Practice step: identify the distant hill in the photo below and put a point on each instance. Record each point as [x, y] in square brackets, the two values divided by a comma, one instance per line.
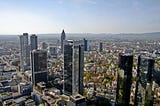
[153, 35]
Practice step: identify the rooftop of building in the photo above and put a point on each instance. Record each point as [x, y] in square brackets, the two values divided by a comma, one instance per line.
[19, 100]
[77, 97]
[146, 57]
[126, 54]
[49, 100]
[38, 51]
[41, 84]
[29, 101]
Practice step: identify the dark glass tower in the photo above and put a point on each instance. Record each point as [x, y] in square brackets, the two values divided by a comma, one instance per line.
[33, 42]
[100, 47]
[25, 52]
[143, 95]
[124, 79]
[39, 66]
[85, 44]
[63, 37]
[73, 67]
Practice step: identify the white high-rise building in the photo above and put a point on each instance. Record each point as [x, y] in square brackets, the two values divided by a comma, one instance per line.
[25, 52]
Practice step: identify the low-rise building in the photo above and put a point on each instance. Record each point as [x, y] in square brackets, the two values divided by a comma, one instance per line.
[77, 100]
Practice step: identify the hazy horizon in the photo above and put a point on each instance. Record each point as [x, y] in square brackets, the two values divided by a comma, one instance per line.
[78, 33]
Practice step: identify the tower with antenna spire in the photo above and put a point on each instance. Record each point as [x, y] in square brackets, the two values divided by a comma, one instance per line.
[63, 37]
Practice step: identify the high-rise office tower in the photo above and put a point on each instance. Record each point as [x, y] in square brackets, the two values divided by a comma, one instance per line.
[143, 95]
[100, 47]
[25, 52]
[44, 45]
[53, 51]
[124, 79]
[73, 67]
[33, 42]
[63, 37]
[85, 44]
[39, 66]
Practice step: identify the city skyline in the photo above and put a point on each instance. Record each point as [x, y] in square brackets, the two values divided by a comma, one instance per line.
[79, 16]
[110, 72]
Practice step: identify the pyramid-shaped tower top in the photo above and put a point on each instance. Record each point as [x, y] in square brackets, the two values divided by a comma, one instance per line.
[63, 31]
[63, 35]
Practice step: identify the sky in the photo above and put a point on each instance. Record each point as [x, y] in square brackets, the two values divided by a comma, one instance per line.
[79, 16]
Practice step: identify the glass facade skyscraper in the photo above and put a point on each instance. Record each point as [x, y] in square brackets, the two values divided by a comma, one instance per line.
[85, 44]
[100, 47]
[143, 96]
[124, 79]
[39, 66]
[63, 37]
[73, 67]
[33, 42]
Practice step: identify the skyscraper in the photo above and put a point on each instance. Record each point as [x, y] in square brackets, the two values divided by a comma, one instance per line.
[85, 44]
[73, 67]
[44, 45]
[143, 95]
[25, 52]
[100, 47]
[39, 66]
[33, 42]
[63, 37]
[53, 51]
[124, 79]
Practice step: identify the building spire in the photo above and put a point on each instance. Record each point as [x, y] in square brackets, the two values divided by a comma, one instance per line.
[63, 37]
[63, 31]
